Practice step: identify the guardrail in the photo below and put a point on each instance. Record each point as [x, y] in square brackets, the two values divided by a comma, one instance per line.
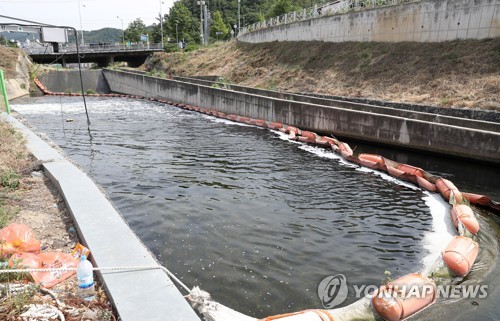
[329, 9]
[94, 48]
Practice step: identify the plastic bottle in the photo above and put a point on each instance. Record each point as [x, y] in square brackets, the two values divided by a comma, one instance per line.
[85, 277]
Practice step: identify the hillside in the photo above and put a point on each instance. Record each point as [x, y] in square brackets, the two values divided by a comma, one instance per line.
[458, 73]
[8, 60]
[104, 35]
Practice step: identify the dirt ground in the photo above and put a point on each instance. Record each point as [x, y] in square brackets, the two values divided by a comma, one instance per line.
[30, 198]
[448, 74]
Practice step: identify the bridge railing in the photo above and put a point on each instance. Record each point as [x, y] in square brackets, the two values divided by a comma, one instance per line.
[94, 48]
[328, 9]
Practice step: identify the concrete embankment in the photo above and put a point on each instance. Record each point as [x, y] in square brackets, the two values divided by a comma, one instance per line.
[378, 106]
[69, 81]
[338, 118]
[136, 295]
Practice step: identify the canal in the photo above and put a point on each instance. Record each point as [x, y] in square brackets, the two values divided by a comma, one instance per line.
[257, 220]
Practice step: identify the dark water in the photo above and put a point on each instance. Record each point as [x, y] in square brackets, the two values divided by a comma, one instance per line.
[255, 220]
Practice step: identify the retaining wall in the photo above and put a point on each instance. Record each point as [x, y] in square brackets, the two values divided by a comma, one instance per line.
[415, 134]
[485, 120]
[425, 21]
[69, 81]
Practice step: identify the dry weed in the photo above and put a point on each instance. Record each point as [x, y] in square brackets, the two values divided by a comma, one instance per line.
[458, 73]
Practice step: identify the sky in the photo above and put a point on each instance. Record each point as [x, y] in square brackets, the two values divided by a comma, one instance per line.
[95, 14]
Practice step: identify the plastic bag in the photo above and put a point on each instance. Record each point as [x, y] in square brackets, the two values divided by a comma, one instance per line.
[25, 261]
[54, 260]
[17, 238]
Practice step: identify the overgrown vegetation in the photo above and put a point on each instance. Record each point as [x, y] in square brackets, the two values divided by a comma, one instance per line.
[17, 302]
[457, 73]
[15, 161]
[8, 60]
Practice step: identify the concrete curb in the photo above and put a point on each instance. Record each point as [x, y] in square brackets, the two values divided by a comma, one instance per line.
[136, 295]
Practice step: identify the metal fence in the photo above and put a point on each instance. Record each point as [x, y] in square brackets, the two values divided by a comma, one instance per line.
[329, 9]
[93, 48]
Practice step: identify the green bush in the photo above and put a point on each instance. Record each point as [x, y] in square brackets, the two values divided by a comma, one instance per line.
[156, 73]
[90, 92]
[192, 47]
[9, 179]
[172, 47]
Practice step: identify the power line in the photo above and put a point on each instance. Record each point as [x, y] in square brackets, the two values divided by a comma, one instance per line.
[38, 24]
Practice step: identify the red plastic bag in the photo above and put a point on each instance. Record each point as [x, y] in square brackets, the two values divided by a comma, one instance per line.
[54, 260]
[17, 238]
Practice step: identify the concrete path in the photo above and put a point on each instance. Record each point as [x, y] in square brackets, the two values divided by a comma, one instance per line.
[137, 295]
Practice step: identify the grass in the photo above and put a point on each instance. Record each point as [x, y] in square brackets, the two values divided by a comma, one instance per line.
[7, 213]
[17, 303]
[13, 277]
[462, 73]
[9, 179]
[15, 161]
[9, 60]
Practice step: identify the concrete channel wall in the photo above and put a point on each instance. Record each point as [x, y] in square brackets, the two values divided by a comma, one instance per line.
[69, 81]
[423, 21]
[469, 143]
[475, 119]
[136, 295]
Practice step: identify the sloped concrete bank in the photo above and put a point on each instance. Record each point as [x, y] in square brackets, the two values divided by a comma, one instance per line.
[473, 119]
[136, 295]
[469, 143]
[19, 85]
[473, 114]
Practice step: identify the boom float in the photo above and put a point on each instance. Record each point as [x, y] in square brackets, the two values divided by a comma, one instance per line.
[392, 301]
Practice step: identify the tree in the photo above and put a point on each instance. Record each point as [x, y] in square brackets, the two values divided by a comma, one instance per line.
[218, 25]
[181, 23]
[134, 30]
[281, 7]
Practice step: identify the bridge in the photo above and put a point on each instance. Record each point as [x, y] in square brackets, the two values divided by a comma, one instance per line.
[101, 54]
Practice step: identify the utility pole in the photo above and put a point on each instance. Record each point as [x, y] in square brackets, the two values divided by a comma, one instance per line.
[123, 31]
[80, 14]
[201, 3]
[161, 25]
[205, 13]
[239, 17]
[176, 34]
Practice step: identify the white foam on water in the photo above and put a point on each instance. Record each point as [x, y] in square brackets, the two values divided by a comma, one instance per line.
[442, 226]
[50, 108]
[443, 229]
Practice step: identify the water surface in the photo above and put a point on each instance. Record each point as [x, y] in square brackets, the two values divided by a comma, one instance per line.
[255, 220]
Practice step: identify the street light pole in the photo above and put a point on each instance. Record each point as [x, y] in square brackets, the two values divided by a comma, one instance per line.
[80, 14]
[123, 31]
[239, 18]
[176, 33]
[161, 25]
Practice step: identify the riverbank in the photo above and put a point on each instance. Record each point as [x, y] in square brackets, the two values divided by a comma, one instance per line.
[462, 74]
[28, 197]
